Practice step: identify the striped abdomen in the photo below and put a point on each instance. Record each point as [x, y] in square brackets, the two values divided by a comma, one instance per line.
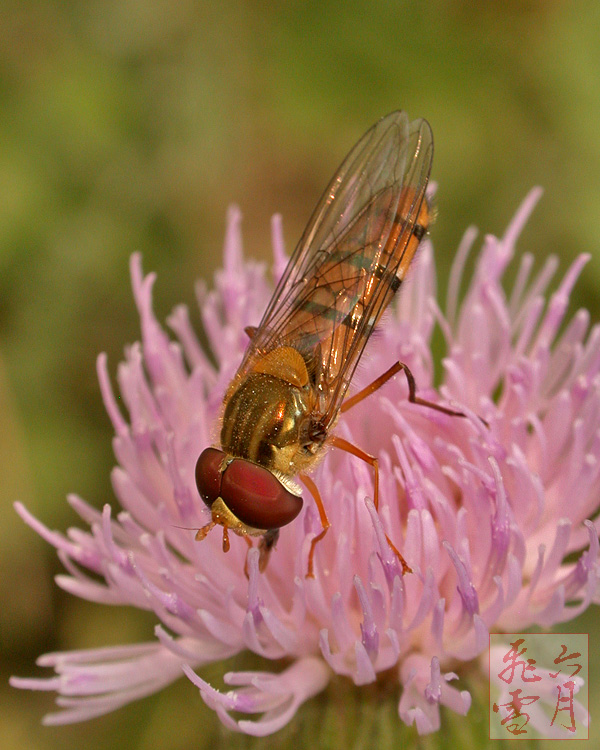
[353, 280]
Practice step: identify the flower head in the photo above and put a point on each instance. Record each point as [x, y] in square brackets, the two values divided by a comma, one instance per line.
[487, 510]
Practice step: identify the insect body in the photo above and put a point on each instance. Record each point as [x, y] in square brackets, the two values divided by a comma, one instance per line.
[290, 387]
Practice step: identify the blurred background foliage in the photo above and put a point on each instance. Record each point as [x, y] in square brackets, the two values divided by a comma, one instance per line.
[131, 125]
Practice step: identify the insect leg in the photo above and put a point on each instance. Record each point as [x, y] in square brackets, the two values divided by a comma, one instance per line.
[412, 391]
[312, 488]
[266, 544]
[345, 445]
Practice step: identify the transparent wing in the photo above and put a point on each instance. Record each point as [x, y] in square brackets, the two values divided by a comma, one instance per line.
[348, 263]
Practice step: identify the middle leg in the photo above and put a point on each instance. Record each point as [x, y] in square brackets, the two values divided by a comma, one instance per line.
[349, 447]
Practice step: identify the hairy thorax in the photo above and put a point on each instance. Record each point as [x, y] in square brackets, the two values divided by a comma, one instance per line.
[268, 415]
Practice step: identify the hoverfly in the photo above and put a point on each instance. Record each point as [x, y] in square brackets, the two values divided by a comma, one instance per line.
[289, 389]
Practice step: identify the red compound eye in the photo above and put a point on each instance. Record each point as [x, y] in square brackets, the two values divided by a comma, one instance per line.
[257, 497]
[208, 474]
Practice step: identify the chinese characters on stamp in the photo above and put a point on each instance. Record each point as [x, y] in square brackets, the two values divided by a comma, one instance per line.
[539, 686]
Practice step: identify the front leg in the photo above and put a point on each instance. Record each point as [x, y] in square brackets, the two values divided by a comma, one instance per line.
[266, 544]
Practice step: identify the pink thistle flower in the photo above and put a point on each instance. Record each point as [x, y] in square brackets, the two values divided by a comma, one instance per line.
[488, 517]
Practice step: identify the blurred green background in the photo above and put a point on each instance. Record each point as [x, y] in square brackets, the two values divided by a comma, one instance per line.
[132, 125]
